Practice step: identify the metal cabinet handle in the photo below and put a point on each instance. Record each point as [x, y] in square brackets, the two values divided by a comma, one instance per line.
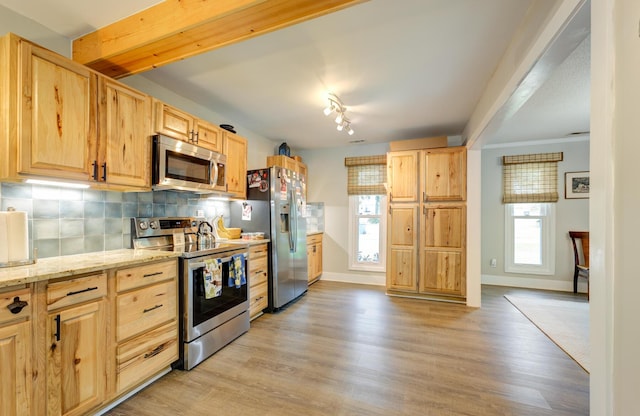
[17, 305]
[89, 289]
[151, 309]
[57, 334]
[95, 170]
[104, 171]
[152, 274]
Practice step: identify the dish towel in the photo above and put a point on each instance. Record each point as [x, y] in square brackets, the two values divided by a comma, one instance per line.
[236, 271]
[212, 279]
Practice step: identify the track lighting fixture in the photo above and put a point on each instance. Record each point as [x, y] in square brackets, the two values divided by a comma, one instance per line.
[335, 105]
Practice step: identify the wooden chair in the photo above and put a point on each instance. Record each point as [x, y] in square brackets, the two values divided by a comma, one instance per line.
[580, 241]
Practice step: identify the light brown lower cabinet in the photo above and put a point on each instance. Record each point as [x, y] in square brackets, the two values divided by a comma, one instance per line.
[75, 359]
[15, 354]
[79, 343]
[426, 250]
[314, 257]
[146, 322]
[258, 279]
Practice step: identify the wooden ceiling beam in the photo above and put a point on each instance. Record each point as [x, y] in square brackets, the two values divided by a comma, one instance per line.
[178, 29]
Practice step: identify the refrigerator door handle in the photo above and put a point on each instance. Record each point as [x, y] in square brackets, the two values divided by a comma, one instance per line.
[292, 215]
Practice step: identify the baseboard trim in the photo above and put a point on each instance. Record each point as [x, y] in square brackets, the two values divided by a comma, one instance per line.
[377, 279]
[533, 283]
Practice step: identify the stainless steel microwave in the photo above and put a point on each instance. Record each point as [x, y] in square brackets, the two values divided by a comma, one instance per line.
[184, 166]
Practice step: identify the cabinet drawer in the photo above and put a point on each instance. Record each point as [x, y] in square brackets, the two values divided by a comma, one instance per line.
[74, 291]
[258, 271]
[314, 239]
[143, 309]
[8, 298]
[259, 299]
[258, 251]
[147, 274]
[142, 357]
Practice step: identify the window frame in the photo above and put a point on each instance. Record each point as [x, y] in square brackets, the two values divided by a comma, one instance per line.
[354, 217]
[548, 236]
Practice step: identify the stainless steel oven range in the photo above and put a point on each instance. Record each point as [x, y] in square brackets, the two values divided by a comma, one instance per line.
[214, 298]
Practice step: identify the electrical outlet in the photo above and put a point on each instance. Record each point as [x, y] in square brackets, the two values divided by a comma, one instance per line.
[200, 213]
[494, 262]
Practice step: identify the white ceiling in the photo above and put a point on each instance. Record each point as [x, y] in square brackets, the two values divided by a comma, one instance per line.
[404, 69]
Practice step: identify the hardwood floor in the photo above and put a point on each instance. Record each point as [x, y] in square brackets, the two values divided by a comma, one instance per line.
[346, 349]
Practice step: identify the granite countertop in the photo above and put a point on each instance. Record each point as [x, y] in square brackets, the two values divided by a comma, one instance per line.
[57, 267]
[315, 232]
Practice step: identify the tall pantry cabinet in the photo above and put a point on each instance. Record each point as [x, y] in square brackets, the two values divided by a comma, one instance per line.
[426, 238]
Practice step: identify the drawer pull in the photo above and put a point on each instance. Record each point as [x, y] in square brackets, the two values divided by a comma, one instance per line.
[89, 289]
[17, 305]
[155, 351]
[152, 274]
[151, 309]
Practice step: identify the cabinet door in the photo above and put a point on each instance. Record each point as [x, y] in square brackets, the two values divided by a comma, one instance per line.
[76, 359]
[318, 260]
[124, 135]
[402, 168]
[310, 261]
[173, 122]
[57, 116]
[235, 148]
[444, 174]
[15, 369]
[402, 247]
[442, 260]
[208, 136]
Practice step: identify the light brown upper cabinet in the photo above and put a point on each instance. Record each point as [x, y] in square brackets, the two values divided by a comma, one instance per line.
[180, 125]
[443, 174]
[124, 134]
[68, 122]
[402, 178]
[235, 148]
[56, 125]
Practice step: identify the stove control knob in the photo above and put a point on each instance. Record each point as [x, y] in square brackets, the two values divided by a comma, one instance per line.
[154, 225]
[143, 225]
[194, 223]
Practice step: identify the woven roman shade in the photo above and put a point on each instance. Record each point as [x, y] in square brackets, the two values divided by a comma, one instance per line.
[366, 175]
[530, 178]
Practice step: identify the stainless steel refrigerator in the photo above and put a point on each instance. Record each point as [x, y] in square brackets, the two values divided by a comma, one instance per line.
[276, 206]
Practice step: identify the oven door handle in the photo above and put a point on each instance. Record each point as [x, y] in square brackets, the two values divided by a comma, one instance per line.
[200, 264]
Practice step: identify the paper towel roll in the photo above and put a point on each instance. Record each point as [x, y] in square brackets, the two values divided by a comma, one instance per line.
[4, 241]
[17, 236]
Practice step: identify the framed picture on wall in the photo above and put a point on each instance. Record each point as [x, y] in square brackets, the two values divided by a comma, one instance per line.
[576, 185]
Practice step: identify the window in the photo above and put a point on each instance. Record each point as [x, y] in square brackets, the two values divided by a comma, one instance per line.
[366, 177]
[530, 238]
[367, 232]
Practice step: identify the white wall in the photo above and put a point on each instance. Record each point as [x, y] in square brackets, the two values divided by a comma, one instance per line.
[328, 183]
[571, 214]
[614, 220]
[35, 32]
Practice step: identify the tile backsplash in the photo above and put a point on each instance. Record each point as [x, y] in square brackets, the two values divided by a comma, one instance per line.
[66, 221]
